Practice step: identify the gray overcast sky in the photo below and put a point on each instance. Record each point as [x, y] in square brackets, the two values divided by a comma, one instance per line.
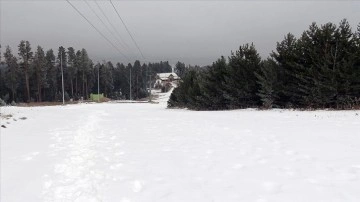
[193, 32]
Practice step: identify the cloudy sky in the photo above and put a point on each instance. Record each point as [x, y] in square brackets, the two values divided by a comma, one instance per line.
[195, 32]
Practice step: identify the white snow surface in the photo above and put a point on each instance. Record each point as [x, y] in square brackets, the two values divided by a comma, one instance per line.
[139, 152]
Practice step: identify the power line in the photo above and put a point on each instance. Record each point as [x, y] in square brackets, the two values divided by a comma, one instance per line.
[98, 30]
[128, 31]
[91, 8]
[112, 25]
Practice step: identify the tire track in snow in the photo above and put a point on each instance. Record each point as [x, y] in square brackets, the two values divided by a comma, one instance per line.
[75, 177]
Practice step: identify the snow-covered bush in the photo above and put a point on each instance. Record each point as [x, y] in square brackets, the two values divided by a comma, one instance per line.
[6, 98]
[2, 102]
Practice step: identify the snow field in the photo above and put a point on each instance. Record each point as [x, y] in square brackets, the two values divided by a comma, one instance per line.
[144, 152]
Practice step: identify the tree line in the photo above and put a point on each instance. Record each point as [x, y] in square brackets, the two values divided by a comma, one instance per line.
[30, 76]
[320, 69]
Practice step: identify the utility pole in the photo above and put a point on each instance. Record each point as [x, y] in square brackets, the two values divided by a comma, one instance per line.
[98, 84]
[150, 87]
[130, 83]
[62, 79]
[146, 77]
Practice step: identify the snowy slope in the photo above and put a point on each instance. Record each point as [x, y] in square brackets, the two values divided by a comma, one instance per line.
[144, 152]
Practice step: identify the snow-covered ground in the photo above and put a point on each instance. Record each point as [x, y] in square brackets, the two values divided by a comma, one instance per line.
[118, 152]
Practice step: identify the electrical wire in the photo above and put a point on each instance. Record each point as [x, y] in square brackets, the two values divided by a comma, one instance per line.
[97, 30]
[128, 31]
[112, 25]
[91, 8]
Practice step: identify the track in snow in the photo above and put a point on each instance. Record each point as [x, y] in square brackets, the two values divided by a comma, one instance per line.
[144, 152]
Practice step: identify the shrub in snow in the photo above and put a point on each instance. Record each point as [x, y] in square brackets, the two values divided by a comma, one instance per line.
[2, 102]
[66, 96]
[6, 98]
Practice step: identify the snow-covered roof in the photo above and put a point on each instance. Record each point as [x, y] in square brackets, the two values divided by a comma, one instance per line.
[163, 76]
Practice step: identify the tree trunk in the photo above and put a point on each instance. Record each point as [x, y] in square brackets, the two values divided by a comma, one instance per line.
[13, 92]
[137, 86]
[44, 94]
[105, 93]
[83, 87]
[27, 87]
[72, 88]
[76, 85]
[86, 85]
[39, 87]
[27, 83]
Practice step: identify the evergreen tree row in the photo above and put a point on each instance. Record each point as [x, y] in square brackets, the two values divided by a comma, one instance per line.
[36, 76]
[320, 69]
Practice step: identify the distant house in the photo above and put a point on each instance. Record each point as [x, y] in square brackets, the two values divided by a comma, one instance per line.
[163, 78]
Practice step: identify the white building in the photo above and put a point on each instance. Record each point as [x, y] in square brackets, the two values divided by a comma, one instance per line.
[164, 78]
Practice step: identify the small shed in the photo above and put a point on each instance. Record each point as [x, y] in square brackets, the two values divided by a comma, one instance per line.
[96, 97]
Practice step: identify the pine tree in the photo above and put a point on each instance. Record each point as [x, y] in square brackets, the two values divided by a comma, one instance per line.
[344, 56]
[78, 75]
[61, 62]
[188, 93]
[290, 70]
[52, 73]
[322, 65]
[91, 78]
[3, 89]
[72, 68]
[85, 66]
[121, 83]
[26, 56]
[130, 79]
[328, 60]
[212, 96]
[269, 85]
[180, 69]
[143, 81]
[11, 73]
[355, 87]
[106, 78]
[136, 74]
[240, 87]
[40, 71]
